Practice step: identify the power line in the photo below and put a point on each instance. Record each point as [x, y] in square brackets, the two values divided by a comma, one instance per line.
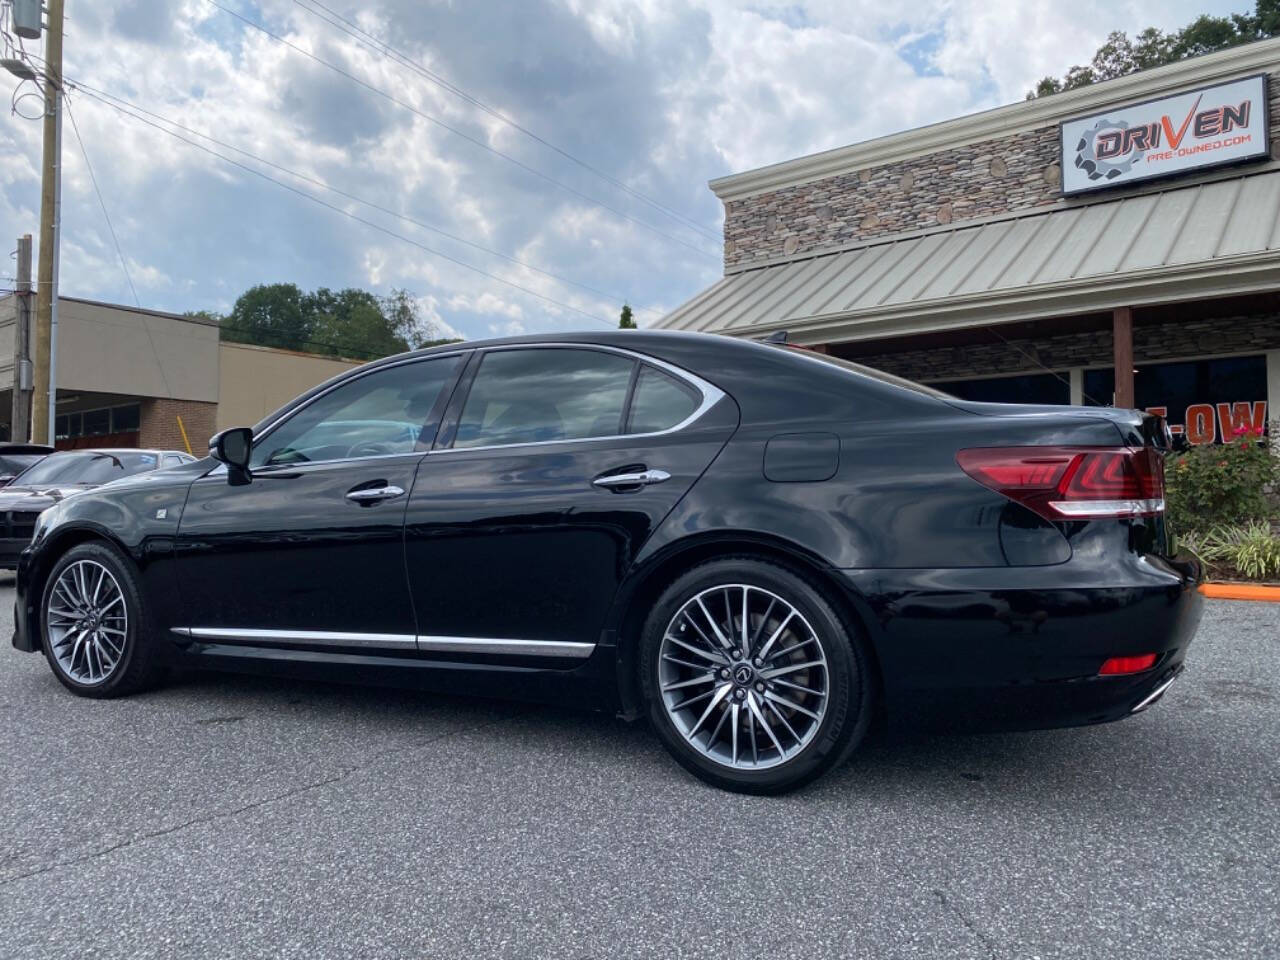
[391, 53]
[164, 378]
[349, 196]
[346, 213]
[102, 203]
[454, 130]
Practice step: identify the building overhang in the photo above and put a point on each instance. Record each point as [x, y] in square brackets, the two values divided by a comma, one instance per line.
[1212, 239]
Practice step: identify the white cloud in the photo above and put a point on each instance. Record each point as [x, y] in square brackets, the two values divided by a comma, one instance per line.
[661, 94]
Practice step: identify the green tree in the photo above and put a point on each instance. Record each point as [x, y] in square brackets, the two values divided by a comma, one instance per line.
[1120, 56]
[347, 323]
[273, 315]
[626, 321]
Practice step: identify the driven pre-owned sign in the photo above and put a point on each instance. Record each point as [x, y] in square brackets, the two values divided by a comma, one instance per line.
[1226, 123]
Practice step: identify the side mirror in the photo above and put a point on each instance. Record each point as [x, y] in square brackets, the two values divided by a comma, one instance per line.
[233, 447]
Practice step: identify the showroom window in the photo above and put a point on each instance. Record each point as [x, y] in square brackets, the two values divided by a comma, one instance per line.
[1204, 400]
[1028, 388]
[98, 423]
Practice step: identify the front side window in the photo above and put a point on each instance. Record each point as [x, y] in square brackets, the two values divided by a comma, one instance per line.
[379, 414]
[544, 395]
[660, 402]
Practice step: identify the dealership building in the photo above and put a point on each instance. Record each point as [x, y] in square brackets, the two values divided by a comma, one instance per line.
[129, 377]
[1119, 243]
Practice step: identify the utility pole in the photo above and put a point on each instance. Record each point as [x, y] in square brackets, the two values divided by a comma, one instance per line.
[45, 385]
[20, 429]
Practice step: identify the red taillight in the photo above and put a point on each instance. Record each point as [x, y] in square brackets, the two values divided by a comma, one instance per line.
[1072, 483]
[1116, 666]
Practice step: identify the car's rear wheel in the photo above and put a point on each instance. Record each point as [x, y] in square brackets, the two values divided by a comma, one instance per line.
[754, 681]
[94, 624]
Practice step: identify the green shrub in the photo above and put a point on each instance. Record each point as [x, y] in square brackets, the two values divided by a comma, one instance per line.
[1249, 550]
[1218, 485]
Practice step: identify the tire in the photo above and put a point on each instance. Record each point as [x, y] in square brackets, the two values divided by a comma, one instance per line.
[807, 679]
[85, 665]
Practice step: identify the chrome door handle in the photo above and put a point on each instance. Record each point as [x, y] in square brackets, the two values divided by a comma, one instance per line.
[641, 479]
[374, 494]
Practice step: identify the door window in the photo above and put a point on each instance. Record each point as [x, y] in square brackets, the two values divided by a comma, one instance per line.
[544, 395]
[379, 414]
[660, 402]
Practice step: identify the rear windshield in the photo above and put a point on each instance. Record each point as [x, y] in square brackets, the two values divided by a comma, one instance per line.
[875, 374]
[89, 466]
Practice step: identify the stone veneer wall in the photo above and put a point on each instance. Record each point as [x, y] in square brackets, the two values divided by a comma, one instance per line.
[1151, 343]
[984, 179]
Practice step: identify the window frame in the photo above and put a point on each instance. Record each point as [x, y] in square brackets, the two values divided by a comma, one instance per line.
[709, 393]
[437, 410]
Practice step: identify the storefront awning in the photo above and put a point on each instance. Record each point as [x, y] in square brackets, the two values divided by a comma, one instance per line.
[1208, 240]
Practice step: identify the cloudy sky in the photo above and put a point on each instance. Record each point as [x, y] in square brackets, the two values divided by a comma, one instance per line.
[633, 104]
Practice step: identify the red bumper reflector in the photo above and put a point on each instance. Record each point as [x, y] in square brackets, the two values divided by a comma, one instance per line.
[1116, 666]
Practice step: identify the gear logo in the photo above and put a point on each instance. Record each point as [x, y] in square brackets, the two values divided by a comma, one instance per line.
[1097, 168]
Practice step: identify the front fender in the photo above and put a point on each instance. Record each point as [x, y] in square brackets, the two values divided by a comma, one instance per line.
[139, 517]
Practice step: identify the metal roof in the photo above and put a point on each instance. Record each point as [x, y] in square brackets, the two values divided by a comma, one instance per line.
[1210, 239]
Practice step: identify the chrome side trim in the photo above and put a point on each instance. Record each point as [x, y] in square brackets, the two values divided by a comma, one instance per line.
[1155, 694]
[390, 641]
[326, 638]
[516, 648]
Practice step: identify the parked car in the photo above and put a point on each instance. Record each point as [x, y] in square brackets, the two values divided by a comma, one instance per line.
[16, 457]
[58, 475]
[757, 547]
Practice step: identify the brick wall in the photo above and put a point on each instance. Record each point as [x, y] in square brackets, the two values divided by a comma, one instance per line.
[1165, 341]
[159, 424]
[984, 179]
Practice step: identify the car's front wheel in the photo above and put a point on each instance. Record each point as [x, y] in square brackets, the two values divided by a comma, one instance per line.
[754, 681]
[94, 624]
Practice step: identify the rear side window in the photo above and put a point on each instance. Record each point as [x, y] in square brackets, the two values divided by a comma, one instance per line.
[660, 402]
[544, 395]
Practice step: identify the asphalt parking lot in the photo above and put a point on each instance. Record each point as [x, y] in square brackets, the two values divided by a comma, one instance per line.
[242, 817]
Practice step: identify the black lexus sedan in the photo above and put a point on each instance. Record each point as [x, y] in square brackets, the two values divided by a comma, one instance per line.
[54, 476]
[758, 547]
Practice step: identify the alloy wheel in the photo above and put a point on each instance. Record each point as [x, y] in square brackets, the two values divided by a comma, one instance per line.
[743, 676]
[87, 622]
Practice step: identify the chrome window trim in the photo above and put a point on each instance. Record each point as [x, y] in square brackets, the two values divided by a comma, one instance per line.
[284, 418]
[710, 393]
[304, 465]
[390, 641]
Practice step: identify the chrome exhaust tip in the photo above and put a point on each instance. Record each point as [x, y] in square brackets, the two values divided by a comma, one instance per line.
[1154, 695]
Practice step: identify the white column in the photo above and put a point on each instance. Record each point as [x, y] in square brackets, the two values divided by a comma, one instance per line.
[1077, 386]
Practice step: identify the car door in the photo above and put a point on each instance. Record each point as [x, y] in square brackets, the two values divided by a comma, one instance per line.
[552, 468]
[310, 551]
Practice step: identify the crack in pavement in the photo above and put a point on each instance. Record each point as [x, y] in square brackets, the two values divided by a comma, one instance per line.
[264, 801]
[946, 903]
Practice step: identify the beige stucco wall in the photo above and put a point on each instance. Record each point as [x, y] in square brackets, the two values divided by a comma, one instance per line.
[253, 380]
[108, 349]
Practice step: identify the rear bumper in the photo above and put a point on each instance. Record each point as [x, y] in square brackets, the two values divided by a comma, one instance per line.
[1020, 648]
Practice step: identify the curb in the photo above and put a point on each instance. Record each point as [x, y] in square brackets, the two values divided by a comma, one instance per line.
[1241, 591]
